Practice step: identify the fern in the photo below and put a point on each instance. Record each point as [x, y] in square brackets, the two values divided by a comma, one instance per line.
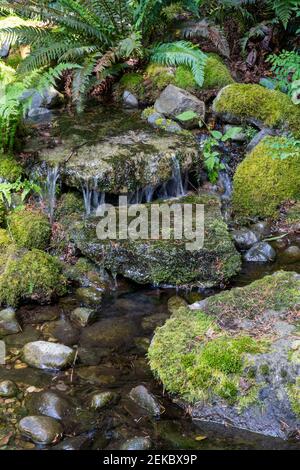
[284, 9]
[204, 29]
[181, 53]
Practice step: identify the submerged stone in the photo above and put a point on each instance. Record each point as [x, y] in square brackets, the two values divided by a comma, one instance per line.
[261, 252]
[224, 365]
[8, 323]
[48, 404]
[145, 400]
[41, 429]
[46, 355]
[136, 443]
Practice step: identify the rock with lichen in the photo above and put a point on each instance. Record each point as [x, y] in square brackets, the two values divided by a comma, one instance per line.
[165, 261]
[234, 358]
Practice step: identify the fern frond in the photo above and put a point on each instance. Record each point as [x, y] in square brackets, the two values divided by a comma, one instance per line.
[204, 29]
[284, 9]
[181, 53]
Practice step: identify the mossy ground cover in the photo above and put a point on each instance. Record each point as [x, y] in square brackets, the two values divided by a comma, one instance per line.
[271, 107]
[29, 228]
[264, 180]
[196, 360]
[10, 169]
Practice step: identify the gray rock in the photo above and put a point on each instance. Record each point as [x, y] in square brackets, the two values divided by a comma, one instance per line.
[261, 252]
[244, 238]
[46, 355]
[174, 101]
[258, 137]
[39, 115]
[262, 228]
[41, 429]
[109, 333]
[136, 443]
[82, 316]
[8, 322]
[129, 100]
[4, 50]
[8, 389]
[48, 404]
[145, 400]
[63, 331]
[158, 121]
[102, 399]
[75, 443]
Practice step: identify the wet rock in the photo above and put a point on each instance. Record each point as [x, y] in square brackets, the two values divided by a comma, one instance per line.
[261, 252]
[109, 333]
[92, 356]
[82, 316]
[8, 389]
[27, 335]
[4, 50]
[98, 375]
[158, 121]
[63, 331]
[145, 400]
[41, 429]
[244, 238]
[152, 321]
[36, 315]
[49, 404]
[292, 253]
[46, 355]
[130, 101]
[39, 115]
[174, 101]
[89, 296]
[75, 443]
[136, 443]
[102, 399]
[142, 343]
[8, 322]
[262, 228]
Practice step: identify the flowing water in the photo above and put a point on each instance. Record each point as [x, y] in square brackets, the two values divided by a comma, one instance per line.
[50, 189]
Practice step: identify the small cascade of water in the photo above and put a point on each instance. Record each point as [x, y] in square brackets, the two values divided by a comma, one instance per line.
[91, 197]
[226, 185]
[52, 178]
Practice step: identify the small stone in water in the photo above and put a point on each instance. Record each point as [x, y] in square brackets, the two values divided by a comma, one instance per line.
[260, 253]
[46, 355]
[82, 316]
[41, 429]
[99, 400]
[145, 400]
[8, 389]
[136, 443]
[8, 322]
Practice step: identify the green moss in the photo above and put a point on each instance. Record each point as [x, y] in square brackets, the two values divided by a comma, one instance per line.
[275, 292]
[271, 107]
[184, 78]
[294, 396]
[196, 360]
[132, 81]
[2, 211]
[69, 203]
[263, 180]
[264, 369]
[160, 76]
[4, 239]
[10, 170]
[216, 74]
[29, 229]
[31, 275]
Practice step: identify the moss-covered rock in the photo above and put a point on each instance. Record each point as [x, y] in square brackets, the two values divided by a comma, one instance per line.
[29, 228]
[4, 239]
[29, 275]
[216, 75]
[10, 169]
[69, 203]
[264, 180]
[258, 105]
[229, 358]
[165, 261]
[2, 212]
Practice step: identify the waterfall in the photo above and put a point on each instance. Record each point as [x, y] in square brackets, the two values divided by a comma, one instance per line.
[52, 178]
[176, 189]
[91, 197]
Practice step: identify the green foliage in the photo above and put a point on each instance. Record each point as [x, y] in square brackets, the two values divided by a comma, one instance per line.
[264, 179]
[207, 30]
[10, 170]
[181, 53]
[271, 107]
[284, 9]
[286, 68]
[29, 229]
[211, 154]
[25, 187]
[28, 275]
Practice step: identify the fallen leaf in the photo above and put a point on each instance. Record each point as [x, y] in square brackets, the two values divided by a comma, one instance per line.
[200, 438]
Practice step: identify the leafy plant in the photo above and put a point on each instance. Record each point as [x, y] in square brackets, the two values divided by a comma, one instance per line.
[211, 153]
[284, 148]
[24, 187]
[286, 68]
[284, 9]
[181, 53]
[206, 29]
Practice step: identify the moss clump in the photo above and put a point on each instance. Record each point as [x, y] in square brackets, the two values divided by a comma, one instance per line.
[263, 180]
[294, 396]
[132, 82]
[184, 78]
[69, 203]
[276, 292]
[196, 360]
[2, 212]
[32, 275]
[29, 229]
[271, 107]
[216, 74]
[160, 76]
[4, 239]
[10, 170]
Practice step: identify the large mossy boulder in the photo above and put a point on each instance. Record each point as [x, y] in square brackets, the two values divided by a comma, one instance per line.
[234, 358]
[112, 151]
[29, 228]
[268, 176]
[165, 261]
[257, 105]
[29, 275]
